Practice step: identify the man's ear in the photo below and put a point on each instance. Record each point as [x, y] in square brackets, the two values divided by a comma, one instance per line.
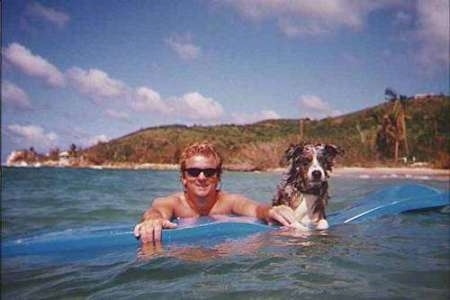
[183, 179]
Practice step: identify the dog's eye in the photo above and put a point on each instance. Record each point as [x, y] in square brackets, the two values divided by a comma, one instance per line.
[325, 160]
[306, 161]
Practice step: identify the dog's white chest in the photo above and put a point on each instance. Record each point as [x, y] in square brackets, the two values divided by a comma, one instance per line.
[304, 215]
[301, 214]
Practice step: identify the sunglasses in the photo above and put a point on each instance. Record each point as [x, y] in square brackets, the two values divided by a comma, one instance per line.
[194, 172]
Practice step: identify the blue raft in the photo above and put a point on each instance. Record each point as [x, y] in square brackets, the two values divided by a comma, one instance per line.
[87, 242]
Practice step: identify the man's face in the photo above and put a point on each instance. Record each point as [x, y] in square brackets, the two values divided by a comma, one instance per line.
[200, 176]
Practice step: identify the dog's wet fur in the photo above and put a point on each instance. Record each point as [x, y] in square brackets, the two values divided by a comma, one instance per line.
[304, 185]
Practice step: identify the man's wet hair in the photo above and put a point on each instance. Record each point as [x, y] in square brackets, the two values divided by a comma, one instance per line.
[204, 148]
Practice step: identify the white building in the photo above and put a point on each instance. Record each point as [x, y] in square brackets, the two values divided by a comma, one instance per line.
[64, 159]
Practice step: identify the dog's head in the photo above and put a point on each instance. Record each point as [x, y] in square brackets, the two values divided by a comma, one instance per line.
[309, 164]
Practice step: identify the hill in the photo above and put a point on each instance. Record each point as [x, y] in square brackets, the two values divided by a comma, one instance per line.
[261, 145]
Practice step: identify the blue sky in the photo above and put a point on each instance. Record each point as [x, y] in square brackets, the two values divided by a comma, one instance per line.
[83, 71]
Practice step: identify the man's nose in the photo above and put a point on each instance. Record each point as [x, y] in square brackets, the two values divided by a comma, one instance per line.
[201, 175]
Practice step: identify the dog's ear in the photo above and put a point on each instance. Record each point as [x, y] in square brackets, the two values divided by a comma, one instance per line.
[331, 151]
[292, 152]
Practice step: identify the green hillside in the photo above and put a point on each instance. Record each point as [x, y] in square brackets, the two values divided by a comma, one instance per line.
[261, 145]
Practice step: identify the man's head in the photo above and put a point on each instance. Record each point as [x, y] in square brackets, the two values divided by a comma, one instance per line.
[201, 167]
[201, 149]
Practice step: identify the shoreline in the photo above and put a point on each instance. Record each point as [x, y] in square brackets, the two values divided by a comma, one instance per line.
[418, 173]
[341, 170]
[360, 172]
[385, 170]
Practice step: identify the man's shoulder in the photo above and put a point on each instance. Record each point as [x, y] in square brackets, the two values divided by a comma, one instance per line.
[169, 198]
[231, 196]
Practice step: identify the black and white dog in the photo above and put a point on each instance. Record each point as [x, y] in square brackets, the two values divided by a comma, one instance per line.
[304, 186]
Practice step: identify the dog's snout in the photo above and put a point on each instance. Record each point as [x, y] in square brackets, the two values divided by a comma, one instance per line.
[316, 174]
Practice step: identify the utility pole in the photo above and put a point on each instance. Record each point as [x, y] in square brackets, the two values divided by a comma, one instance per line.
[301, 129]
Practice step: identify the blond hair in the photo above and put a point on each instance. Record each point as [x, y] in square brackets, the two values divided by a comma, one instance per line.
[204, 148]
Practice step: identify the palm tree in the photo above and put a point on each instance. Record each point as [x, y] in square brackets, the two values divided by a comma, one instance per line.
[397, 117]
[386, 135]
[73, 150]
[400, 124]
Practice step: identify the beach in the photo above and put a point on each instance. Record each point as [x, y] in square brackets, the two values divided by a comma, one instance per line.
[393, 172]
[422, 173]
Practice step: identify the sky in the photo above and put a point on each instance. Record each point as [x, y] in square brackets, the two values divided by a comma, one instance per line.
[86, 71]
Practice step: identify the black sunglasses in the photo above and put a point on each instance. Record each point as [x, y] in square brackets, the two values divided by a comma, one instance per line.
[194, 172]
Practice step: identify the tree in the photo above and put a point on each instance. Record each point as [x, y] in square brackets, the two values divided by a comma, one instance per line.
[399, 113]
[390, 94]
[73, 150]
[393, 128]
[54, 154]
[385, 136]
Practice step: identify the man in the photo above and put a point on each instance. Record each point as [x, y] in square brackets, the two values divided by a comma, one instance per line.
[201, 168]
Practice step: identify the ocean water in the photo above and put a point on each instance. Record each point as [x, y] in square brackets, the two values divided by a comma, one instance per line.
[405, 256]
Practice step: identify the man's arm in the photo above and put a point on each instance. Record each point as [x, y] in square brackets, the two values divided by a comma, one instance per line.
[155, 219]
[246, 207]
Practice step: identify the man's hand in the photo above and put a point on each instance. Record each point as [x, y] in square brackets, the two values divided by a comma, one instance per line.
[282, 214]
[150, 230]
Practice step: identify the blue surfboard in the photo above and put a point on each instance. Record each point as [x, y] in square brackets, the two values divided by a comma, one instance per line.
[390, 201]
[207, 232]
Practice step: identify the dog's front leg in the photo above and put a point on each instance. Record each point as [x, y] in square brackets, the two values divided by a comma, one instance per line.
[322, 224]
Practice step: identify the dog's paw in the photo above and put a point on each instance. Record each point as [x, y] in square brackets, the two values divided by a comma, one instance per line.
[299, 226]
[322, 225]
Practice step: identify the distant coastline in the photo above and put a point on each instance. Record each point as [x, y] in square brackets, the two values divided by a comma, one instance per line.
[419, 173]
[367, 137]
[410, 172]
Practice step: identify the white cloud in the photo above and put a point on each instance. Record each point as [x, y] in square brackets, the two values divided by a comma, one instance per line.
[119, 115]
[148, 100]
[293, 29]
[314, 103]
[269, 114]
[196, 106]
[247, 118]
[193, 106]
[14, 96]
[95, 83]
[81, 137]
[33, 65]
[32, 136]
[93, 140]
[47, 14]
[299, 18]
[314, 107]
[184, 47]
[432, 34]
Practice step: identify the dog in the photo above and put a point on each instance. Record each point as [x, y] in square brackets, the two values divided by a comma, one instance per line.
[304, 186]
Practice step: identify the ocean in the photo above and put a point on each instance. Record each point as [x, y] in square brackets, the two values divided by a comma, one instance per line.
[405, 256]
